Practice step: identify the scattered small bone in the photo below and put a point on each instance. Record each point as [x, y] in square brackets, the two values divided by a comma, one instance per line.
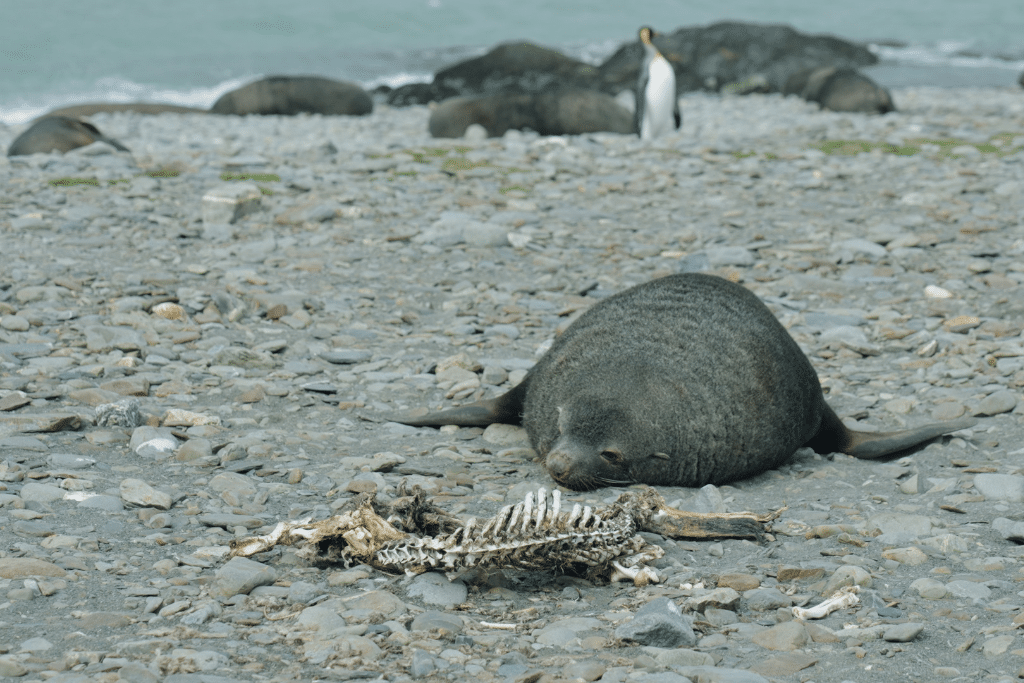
[929, 349]
[175, 417]
[842, 598]
[506, 627]
[935, 292]
[170, 311]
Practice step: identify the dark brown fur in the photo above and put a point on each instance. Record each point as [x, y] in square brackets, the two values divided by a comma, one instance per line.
[58, 134]
[683, 381]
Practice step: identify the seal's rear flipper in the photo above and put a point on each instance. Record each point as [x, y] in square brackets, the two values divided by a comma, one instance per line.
[868, 445]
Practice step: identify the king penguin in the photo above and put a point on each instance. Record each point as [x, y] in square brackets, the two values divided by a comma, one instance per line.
[657, 106]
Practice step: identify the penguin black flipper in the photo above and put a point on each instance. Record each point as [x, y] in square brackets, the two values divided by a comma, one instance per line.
[641, 99]
[505, 409]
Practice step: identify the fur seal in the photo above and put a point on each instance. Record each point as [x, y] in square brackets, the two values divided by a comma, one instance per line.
[657, 104]
[683, 381]
[58, 134]
[291, 95]
[840, 89]
[557, 111]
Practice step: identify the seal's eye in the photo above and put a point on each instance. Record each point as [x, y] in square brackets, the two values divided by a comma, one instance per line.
[612, 455]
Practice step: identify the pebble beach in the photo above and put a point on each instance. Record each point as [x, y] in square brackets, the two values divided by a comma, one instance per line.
[256, 295]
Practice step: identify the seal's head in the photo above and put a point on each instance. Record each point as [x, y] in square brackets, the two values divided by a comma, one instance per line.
[592, 448]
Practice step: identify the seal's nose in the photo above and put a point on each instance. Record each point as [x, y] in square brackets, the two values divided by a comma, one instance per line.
[558, 464]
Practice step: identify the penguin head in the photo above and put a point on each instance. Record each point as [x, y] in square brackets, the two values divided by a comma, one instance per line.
[646, 34]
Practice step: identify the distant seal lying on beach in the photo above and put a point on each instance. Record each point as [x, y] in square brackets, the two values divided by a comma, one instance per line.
[840, 89]
[557, 111]
[290, 95]
[58, 134]
[93, 108]
[684, 381]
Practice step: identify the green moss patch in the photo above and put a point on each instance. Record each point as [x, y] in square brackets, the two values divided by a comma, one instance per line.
[942, 147]
[257, 177]
[69, 182]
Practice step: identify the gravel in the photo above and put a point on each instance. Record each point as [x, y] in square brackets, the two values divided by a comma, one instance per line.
[266, 289]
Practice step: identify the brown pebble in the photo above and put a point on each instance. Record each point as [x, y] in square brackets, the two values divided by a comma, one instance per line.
[799, 574]
[295, 476]
[277, 311]
[739, 582]
[14, 400]
[349, 405]
[254, 395]
[361, 486]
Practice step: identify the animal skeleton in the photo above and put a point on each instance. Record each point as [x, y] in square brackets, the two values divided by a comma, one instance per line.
[414, 536]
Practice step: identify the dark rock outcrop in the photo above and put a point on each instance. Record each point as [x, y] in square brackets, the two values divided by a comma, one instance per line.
[58, 134]
[511, 67]
[562, 111]
[704, 58]
[840, 89]
[290, 95]
[711, 57]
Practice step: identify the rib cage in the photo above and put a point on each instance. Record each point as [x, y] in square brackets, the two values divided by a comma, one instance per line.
[533, 534]
[529, 535]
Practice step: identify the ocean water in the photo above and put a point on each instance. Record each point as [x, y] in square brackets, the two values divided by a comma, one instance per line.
[189, 52]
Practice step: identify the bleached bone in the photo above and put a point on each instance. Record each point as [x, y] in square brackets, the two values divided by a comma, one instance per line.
[842, 598]
[534, 534]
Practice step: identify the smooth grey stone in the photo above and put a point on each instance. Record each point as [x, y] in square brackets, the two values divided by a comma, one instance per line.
[714, 674]
[968, 589]
[730, 256]
[346, 356]
[102, 502]
[1009, 529]
[422, 664]
[435, 589]
[823, 321]
[1005, 487]
[41, 493]
[70, 461]
[659, 623]
[765, 599]
[302, 592]
[23, 443]
[241, 575]
[202, 614]
[861, 246]
[694, 263]
[432, 620]
[135, 492]
[997, 403]
[32, 529]
[903, 633]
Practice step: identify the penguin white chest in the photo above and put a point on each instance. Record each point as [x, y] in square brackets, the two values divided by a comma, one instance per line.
[659, 100]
